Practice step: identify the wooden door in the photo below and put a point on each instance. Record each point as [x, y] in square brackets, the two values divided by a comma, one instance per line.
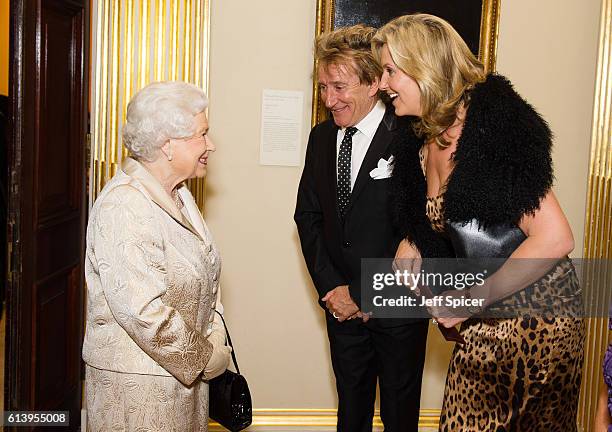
[48, 102]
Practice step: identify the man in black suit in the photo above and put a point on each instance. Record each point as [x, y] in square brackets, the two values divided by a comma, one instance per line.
[342, 216]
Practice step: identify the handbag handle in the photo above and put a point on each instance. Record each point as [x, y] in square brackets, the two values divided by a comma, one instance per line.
[229, 342]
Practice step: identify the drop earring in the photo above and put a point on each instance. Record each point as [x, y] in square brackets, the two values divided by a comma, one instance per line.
[169, 151]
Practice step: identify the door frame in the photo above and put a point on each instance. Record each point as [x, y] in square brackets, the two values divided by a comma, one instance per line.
[23, 81]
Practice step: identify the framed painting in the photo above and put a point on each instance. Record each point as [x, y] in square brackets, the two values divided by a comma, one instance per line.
[476, 21]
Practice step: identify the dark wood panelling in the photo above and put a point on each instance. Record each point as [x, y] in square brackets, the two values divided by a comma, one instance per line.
[58, 247]
[48, 205]
[55, 379]
[58, 149]
[51, 373]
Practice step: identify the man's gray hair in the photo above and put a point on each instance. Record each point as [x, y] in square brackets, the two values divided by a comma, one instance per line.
[159, 112]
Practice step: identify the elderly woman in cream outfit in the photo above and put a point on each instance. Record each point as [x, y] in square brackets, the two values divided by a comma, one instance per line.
[152, 338]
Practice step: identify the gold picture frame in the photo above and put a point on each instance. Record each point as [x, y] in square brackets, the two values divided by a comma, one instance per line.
[347, 12]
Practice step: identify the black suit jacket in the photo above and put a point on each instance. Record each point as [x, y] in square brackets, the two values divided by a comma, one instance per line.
[333, 248]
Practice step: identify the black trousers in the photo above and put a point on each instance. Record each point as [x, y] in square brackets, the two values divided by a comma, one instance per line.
[361, 354]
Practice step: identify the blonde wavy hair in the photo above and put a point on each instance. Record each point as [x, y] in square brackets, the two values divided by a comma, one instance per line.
[350, 47]
[430, 51]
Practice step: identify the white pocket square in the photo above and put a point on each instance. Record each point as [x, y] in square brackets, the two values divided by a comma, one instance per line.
[383, 170]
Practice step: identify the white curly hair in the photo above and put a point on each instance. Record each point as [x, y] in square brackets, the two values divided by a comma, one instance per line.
[158, 112]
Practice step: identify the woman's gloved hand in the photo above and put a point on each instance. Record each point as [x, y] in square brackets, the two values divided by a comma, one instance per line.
[219, 361]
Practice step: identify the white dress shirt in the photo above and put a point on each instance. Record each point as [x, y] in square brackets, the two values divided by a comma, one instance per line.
[362, 139]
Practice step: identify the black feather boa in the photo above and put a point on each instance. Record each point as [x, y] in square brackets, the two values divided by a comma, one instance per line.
[503, 167]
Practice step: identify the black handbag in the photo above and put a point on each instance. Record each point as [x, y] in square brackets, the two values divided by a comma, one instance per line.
[486, 246]
[471, 240]
[230, 398]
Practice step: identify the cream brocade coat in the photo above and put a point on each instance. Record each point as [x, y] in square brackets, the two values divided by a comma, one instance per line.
[152, 276]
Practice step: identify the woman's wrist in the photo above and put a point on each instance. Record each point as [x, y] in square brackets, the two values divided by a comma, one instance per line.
[475, 303]
[480, 293]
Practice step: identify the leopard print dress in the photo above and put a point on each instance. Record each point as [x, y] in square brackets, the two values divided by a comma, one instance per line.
[517, 374]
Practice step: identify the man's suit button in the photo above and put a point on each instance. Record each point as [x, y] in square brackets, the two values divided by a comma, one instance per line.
[347, 244]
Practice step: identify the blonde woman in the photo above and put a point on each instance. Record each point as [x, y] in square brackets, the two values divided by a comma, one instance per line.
[152, 338]
[485, 156]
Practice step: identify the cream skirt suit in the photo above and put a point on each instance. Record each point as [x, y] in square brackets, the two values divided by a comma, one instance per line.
[152, 275]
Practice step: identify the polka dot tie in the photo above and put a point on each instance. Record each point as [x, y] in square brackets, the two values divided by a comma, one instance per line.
[344, 170]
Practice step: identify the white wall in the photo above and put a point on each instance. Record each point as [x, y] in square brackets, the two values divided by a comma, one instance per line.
[271, 306]
[546, 47]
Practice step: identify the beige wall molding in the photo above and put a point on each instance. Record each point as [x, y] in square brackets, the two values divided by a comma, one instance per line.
[598, 229]
[317, 420]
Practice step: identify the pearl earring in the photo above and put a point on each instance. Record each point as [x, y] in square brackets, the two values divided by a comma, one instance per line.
[170, 156]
